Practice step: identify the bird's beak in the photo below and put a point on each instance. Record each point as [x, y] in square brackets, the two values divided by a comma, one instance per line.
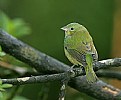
[64, 28]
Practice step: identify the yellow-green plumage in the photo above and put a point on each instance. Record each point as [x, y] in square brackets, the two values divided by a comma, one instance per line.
[79, 49]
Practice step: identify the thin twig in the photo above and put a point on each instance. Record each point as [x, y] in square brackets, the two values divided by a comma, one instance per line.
[17, 69]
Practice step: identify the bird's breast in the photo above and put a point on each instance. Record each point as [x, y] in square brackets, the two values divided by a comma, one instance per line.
[72, 42]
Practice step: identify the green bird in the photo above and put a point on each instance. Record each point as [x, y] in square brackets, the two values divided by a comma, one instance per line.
[79, 49]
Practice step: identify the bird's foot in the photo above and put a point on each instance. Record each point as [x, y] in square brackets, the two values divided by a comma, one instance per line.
[72, 66]
[71, 71]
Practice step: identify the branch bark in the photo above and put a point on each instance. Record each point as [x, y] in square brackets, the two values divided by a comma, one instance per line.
[35, 79]
[46, 64]
[109, 74]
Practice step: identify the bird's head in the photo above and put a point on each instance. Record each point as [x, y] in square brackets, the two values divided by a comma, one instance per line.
[72, 28]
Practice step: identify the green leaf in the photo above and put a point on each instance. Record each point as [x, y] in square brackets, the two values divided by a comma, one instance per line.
[6, 85]
[1, 95]
[20, 98]
[16, 27]
[21, 28]
[2, 54]
[0, 82]
[1, 89]
[0, 48]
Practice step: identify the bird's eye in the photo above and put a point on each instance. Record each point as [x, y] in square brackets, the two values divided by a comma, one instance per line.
[72, 28]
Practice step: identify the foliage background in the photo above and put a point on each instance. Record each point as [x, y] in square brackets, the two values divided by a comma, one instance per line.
[46, 17]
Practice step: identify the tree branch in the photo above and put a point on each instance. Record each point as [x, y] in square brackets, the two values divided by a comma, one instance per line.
[108, 63]
[27, 54]
[109, 74]
[35, 79]
[46, 64]
[99, 90]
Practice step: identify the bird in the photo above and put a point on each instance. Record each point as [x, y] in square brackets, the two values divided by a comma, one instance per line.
[80, 50]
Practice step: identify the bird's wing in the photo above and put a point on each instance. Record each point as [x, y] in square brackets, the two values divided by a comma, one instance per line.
[88, 48]
[80, 57]
[80, 52]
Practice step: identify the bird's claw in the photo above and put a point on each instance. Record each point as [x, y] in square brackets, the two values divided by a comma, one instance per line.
[72, 73]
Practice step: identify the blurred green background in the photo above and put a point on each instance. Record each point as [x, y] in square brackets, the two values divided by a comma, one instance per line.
[46, 17]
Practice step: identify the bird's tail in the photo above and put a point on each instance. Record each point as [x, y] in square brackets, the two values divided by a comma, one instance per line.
[90, 74]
